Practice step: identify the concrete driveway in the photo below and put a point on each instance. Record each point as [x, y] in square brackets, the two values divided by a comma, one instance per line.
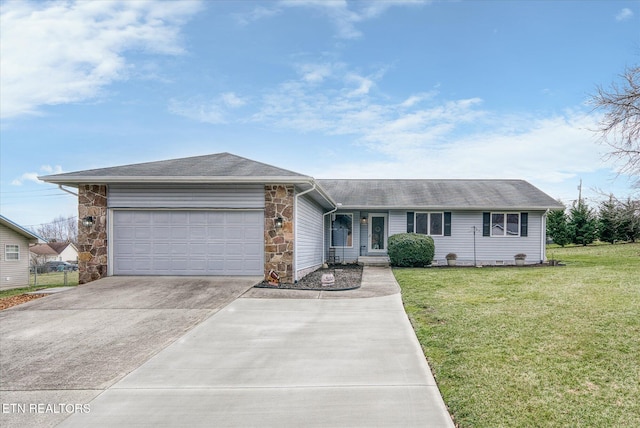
[124, 356]
[69, 347]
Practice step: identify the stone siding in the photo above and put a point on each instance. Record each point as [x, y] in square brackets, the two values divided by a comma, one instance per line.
[278, 243]
[92, 241]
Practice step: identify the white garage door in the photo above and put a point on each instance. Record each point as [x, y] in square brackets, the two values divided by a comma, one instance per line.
[188, 242]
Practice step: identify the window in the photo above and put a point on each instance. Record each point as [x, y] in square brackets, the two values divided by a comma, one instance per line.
[342, 230]
[505, 224]
[11, 252]
[429, 223]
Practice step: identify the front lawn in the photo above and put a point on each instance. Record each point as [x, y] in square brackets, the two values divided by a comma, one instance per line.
[44, 280]
[534, 346]
[54, 279]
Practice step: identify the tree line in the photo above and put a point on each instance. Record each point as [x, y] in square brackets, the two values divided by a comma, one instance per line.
[61, 229]
[613, 221]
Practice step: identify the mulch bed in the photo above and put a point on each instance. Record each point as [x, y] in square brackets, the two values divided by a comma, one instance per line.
[347, 277]
[7, 302]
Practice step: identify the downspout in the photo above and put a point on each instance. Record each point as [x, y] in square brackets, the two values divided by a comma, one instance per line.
[324, 232]
[66, 190]
[543, 239]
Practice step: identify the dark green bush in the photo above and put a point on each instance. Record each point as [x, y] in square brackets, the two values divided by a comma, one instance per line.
[410, 249]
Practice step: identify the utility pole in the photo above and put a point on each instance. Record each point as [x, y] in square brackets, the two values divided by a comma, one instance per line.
[580, 192]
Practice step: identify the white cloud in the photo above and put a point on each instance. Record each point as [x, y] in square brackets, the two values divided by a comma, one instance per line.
[260, 12]
[33, 176]
[213, 111]
[317, 72]
[61, 52]
[343, 15]
[232, 100]
[624, 14]
[206, 112]
[422, 136]
[51, 169]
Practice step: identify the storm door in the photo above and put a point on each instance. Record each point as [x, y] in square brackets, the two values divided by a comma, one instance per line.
[377, 233]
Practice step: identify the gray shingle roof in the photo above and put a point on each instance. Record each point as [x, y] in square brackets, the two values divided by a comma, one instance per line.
[19, 229]
[356, 194]
[199, 168]
[438, 194]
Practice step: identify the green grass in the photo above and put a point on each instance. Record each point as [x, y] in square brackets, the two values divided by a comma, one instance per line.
[54, 278]
[532, 346]
[45, 280]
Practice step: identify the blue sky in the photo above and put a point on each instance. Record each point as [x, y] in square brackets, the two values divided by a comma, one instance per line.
[333, 89]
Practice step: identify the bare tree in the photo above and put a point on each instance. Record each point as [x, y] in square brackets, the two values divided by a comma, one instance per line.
[620, 125]
[61, 229]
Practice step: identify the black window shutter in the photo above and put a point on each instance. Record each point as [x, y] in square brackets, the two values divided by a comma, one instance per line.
[447, 224]
[486, 224]
[524, 224]
[410, 217]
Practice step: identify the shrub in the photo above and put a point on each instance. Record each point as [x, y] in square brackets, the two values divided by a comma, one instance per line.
[410, 249]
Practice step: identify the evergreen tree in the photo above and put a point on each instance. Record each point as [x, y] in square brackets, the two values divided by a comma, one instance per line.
[583, 225]
[609, 229]
[557, 227]
[629, 223]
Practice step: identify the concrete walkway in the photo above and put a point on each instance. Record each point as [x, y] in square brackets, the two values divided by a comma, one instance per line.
[281, 360]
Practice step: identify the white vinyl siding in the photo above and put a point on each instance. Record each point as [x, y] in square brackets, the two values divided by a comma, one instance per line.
[308, 239]
[186, 196]
[489, 250]
[397, 222]
[14, 272]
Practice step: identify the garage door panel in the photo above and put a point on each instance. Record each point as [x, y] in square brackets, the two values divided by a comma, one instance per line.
[142, 219]
[214, 250]
[198, 248]
[215, 232]
[197, 233]
[188, 242]
[160, 264]
[162, 249]
[178, 232]
[142, 249]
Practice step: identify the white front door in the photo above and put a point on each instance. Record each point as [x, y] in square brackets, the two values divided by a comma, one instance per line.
[377, 233]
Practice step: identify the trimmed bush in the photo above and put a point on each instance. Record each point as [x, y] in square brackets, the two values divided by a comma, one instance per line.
[410, 249]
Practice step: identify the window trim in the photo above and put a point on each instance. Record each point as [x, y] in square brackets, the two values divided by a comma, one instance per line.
[415, 222]
[331, 220]
[505, 223]
[7, 252]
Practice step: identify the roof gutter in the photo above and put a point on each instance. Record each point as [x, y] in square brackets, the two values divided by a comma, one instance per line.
[70, 180]
[324, 232]
[443, 208]
[67, 190]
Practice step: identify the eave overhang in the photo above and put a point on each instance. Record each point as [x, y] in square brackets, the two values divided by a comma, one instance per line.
[75, 181]
[303, 182]
[445, 208]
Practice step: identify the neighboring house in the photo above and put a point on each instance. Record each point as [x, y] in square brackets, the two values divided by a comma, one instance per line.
[14, 244]
[59, 251]
[42, 253]
[223, 214]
